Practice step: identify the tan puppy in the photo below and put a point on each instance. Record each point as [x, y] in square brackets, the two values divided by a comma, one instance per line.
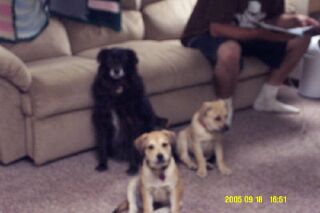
[203, 138]
[158, 183]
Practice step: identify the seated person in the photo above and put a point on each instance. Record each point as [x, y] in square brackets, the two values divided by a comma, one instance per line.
[224, 31]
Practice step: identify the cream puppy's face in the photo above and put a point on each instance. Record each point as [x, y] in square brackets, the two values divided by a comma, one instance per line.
[156, 147]
[213, 116]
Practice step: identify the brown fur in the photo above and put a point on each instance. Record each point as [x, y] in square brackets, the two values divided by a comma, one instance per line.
[158, 182]
[203, 138]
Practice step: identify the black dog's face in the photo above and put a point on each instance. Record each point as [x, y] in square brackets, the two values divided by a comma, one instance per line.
[117, 63]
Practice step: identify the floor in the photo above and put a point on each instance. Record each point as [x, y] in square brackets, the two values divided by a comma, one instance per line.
[270, 154]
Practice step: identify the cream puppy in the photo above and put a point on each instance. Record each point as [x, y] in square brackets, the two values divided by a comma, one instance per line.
[203, 138]
[158, 185]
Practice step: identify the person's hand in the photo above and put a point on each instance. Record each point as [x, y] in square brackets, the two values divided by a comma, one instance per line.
[314, 31]
[294, 20]
[302, 21]
[272, 36]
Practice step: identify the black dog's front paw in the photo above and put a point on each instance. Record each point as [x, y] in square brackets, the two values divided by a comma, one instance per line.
[132, 170]
[102, 167]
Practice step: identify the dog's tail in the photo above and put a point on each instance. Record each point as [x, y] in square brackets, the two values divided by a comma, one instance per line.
[122, 208]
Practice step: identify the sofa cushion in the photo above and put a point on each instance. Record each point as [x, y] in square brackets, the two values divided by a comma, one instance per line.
[166, 65]
[52, 42]
[61, 84]
[84, 36]
[170, 25]
[146, 2]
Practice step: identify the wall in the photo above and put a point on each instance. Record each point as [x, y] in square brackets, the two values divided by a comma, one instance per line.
[303, 6]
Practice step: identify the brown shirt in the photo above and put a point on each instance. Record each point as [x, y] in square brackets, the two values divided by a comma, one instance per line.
[224, 11]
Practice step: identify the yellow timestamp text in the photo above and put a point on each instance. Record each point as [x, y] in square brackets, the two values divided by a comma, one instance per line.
[239, 199]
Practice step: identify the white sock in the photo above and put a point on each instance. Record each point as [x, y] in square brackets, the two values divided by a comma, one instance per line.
[267, 101]
[162, 210]
[229, 103]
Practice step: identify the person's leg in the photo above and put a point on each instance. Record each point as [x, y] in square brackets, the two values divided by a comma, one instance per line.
[224, 54]
[227, 69]
[226, 73]
[295, 50]
[267, 99]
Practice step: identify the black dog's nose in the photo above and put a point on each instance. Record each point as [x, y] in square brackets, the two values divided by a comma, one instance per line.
[225, 128]
[160, 158]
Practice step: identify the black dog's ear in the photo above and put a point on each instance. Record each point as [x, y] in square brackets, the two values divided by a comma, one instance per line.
[132, 56]
[102, 55]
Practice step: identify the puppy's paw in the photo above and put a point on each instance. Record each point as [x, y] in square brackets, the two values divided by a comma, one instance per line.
[192, 166]
[210, 166]
[225, 170]
[102, 167]
[202, 173]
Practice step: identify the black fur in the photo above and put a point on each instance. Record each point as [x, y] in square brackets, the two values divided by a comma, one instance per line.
[119, 88]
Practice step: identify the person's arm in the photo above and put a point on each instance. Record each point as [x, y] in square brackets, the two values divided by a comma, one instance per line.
[288, 20]
[238, 33]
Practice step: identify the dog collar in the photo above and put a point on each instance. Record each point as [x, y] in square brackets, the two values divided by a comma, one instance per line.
[119, 90]
[206, 128]
[162, 176]
[204, 125]
[161, 173]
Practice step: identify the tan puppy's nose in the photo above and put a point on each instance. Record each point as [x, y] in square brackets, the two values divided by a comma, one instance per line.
[160, 158]
[225, 128]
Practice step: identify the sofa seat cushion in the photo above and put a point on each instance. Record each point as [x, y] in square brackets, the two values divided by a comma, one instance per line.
[63, 84]
[60, 85]
[167, 65]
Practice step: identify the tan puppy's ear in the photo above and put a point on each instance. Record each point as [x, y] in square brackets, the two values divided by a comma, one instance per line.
[204, 108]
[171, 135]
[223, 102]
[140, 142]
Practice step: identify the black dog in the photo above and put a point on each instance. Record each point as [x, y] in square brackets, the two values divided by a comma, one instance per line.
[121, 112]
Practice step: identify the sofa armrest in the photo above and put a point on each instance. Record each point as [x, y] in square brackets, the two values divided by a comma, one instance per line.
[14, 70]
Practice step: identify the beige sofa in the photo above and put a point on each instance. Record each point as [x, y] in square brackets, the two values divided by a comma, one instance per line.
[45, 84]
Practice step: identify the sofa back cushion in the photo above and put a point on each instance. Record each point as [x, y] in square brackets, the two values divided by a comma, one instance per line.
[131, 4]
[83, 36]
[52, 42]
[167, 19]
[146, 2]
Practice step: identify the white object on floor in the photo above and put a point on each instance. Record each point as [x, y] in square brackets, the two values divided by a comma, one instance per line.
[310, 78]
[162, 210]
[267, 101]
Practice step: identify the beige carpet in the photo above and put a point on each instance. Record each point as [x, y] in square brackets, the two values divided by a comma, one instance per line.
[269, 154]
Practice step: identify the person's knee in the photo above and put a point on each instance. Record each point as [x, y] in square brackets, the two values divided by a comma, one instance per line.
[229, 53]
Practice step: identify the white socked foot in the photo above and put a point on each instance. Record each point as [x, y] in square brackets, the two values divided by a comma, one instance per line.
[267, 101]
